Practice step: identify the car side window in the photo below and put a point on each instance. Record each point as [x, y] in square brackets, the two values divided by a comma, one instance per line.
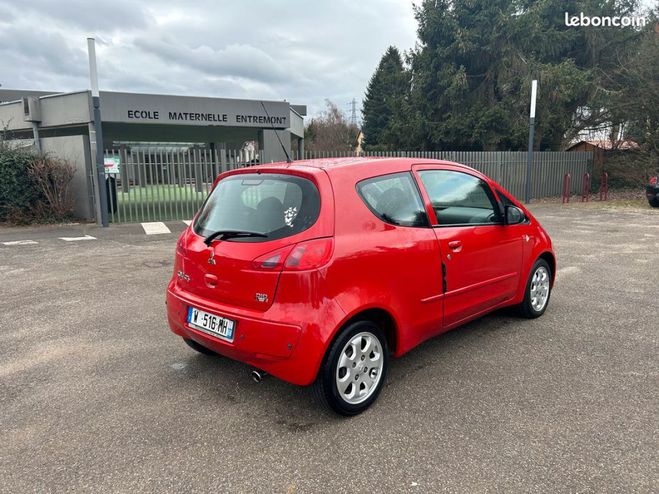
[459, 198]
[395, 199]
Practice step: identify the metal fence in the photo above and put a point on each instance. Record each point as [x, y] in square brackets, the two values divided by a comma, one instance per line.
[168, 183]
[508, 168]
[157, 184]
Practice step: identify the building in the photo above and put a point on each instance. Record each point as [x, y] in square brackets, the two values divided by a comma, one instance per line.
[61, 124]
[600, 148]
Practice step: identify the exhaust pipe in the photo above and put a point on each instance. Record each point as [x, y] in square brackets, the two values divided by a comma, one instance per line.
[258, 375]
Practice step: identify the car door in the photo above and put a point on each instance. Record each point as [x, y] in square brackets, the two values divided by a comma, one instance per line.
[481, 257]
[399, 264]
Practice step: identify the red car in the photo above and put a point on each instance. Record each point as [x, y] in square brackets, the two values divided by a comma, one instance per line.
[317, 271]
[652, 192]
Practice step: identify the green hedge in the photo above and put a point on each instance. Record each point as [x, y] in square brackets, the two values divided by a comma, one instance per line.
[19, 195]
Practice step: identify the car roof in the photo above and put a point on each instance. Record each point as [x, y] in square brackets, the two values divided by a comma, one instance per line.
[365, 164]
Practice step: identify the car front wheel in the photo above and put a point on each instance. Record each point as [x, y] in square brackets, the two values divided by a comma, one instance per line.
[354, 369]
[538, 290]
[654, 202]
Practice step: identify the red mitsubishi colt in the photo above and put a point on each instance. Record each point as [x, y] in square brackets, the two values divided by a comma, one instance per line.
[317, 271]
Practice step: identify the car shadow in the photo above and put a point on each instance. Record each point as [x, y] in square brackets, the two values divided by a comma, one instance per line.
[295, 408]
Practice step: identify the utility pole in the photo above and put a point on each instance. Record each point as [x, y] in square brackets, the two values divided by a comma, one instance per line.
[96, 139]
[529, 163]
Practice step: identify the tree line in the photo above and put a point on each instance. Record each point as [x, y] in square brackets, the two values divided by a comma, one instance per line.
[466, 83]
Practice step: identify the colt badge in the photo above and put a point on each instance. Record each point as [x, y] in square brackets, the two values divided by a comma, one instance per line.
[211, 258]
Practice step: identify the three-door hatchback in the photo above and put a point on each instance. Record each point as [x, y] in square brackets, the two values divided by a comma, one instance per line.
[317, 271]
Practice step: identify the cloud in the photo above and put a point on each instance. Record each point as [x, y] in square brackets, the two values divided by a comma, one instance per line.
[88, 15]
[238, 60]
[296, 50]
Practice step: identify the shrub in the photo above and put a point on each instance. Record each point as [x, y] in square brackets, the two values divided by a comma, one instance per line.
[53, 177]
[630, 168]
[19, 194]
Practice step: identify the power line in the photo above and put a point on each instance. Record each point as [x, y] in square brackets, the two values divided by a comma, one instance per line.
[353, 112]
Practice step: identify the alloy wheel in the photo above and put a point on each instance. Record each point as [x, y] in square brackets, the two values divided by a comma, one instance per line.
[359, 368]
[539, 289]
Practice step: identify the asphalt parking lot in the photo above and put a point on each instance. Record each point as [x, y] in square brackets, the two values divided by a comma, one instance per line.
[97, 395]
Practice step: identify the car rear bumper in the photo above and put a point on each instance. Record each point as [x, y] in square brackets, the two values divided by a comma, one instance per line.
[651, 191]
[284, 350]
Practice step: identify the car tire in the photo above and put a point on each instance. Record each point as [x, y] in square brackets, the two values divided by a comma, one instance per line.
[654, 202]
[199, 348]
[537, 291]
[345, 383]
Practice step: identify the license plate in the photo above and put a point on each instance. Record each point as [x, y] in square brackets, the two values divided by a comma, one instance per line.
[212, 324]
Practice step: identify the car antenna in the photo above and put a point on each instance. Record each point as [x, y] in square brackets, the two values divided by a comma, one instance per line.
[288, 158]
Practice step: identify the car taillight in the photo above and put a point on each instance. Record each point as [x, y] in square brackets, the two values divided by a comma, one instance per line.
[309, 255]
[179, 246]
[272, 261]
[299, 257]
[653, 180]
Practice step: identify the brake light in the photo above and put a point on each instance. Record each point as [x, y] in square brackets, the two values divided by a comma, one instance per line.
[653, 180]
[272, 261]
[309, 255]
[179, 246]
[299, 257]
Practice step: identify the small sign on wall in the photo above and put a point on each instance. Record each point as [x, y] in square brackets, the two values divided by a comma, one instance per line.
[111, 164]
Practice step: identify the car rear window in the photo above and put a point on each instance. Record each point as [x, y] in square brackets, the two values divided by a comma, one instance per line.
[273, 204]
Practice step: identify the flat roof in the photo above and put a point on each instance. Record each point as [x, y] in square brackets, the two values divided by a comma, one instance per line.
[161, 109]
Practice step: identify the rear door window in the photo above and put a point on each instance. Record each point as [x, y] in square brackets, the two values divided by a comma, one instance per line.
[273, 204]
[459, 198]
[395, 199]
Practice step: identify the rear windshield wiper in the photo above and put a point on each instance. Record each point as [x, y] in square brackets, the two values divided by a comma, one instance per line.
[225, 234]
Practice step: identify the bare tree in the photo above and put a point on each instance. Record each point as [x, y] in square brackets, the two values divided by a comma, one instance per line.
[330, 131]
[53, 176]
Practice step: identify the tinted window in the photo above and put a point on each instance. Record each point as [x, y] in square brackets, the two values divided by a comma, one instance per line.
[274, 204]
[459, 198]
[394, 199]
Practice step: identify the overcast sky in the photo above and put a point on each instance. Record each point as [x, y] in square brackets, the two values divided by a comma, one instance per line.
[301, 51]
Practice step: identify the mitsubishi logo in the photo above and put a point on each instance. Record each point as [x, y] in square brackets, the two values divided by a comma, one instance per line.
[211, 258]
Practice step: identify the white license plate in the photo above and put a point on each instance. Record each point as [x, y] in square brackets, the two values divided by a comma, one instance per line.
[212, 324]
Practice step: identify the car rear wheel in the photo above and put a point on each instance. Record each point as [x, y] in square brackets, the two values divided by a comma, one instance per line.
[354, 369]
[538, 290]
[200, 348]
[654, 202]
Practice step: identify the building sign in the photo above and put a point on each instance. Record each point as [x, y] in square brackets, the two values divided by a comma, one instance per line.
[111, 164]
[184, 110]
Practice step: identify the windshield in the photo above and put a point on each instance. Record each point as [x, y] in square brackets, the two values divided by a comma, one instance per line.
[275, 205]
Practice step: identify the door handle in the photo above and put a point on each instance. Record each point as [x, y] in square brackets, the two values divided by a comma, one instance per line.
[455, 245]
[211, 280]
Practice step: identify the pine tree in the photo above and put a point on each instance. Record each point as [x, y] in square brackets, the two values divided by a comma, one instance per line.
[384, 97]
[469, 77]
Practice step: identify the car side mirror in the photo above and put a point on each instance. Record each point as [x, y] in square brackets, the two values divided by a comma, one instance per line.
[514, 215]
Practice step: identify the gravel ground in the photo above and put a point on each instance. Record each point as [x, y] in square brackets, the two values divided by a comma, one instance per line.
[97, 394]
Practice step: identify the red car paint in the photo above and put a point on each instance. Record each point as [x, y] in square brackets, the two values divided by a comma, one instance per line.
[356, 264]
